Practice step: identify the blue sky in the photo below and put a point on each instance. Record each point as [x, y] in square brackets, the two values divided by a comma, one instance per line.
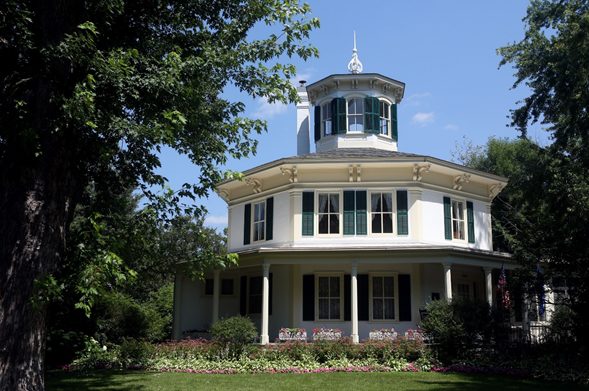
[445, 53]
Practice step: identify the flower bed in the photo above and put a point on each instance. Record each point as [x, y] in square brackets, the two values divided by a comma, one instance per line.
[383, 335]
[322, 334]
[292, 334]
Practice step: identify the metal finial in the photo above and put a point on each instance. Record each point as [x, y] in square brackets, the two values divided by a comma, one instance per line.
[355, 66]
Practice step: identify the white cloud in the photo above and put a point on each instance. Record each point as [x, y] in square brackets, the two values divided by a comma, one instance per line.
[451, 127]
[266, 109]
[216, 220]
[417, 98]
[423, 118]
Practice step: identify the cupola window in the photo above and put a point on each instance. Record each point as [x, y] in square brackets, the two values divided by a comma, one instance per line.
[385, 118]
[326, 119]
[356, 115]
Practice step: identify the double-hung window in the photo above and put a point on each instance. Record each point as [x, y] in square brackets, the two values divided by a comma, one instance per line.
[381, 207]
[328, 213]
[356, 115]
[326, 121]
[383, 297]
[385, 118]
[259, 221]
[329, 301]
[457, 220]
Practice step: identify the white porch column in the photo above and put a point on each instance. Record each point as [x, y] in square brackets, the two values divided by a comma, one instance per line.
[448, 280]
[355, 337]
[264, 338]
[216, 293]
[489, 285]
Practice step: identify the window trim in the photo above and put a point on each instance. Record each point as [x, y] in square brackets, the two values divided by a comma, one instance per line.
[340, 275]
[393, 193]
[254, 222]
[340, 193]
[388, 134]
[464, 219]
[395, 276]
[360, 98]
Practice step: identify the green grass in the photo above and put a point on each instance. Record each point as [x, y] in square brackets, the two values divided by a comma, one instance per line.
[145, 381]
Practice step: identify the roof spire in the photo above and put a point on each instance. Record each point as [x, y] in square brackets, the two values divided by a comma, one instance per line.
[355, 66]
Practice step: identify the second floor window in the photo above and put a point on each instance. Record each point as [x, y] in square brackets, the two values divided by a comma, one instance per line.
[356, 115]
[382, 212]
[328, 213]
[385, 118]
[259, 220]
[457, 220]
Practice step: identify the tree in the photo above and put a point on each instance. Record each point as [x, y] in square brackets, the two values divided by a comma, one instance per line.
[91, 91]
[553, 61]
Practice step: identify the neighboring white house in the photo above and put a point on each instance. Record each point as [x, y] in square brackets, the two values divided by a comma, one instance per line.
[355, 236]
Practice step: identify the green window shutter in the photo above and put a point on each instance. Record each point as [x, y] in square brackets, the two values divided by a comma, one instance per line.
[247, 219]
[308, 212]
[470, 221]
[349, 213]
[394, 128]
[269, 217]
[361, 215]
[317, 120]
[338, 115]
[447, 218]
[402, 213]
[371, 115]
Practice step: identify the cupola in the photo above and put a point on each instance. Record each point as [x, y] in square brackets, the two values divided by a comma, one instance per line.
[355, 110]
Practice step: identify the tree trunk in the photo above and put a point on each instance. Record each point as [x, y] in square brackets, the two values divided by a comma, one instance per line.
[35, 208]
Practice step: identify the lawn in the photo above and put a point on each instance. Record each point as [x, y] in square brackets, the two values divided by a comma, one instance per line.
[145, 381]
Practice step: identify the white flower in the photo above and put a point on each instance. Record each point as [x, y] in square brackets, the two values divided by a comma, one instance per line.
[104, 348]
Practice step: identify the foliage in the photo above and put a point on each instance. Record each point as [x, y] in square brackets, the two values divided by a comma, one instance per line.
[96, 356]
[561, 325]
[119, 316]
[552, 61]
[458, 327]
[201, 356]
[135, 354]
[234, 334]
[92, 92]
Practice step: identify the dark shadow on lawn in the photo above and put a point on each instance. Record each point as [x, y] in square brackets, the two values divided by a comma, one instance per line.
[96, 380]
[505, 383]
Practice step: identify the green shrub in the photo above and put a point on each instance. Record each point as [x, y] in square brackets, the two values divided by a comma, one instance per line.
[561, 325]
[134, 353]
[96, 356]
[457, 328]
[234, 335]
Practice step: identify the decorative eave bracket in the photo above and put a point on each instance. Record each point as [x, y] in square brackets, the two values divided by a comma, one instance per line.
[459, 180]
[292, 173]
[495, 189]
[256, 183]
[419, 170]
[224, 194]
[355, 173]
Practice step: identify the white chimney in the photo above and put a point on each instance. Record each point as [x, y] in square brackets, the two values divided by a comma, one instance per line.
[303, 118]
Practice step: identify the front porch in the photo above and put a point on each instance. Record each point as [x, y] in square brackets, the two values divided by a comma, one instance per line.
[327, 291]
